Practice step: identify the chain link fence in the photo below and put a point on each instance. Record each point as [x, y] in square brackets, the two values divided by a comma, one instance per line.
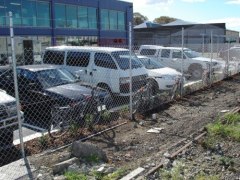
[69, 93]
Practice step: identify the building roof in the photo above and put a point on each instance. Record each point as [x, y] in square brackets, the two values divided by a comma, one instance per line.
[147, 24]
[179, 22]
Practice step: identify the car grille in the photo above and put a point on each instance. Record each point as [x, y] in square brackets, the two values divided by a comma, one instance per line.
[8, 114]
[3, 112]
[137, 83]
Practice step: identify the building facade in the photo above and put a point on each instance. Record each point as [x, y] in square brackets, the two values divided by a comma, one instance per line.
[42, 23]
[195, 35]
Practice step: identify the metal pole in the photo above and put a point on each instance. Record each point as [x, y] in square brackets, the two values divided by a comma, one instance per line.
[211, 57]
[130, 69]
[16, 84]
[202, 44]
[181, 85]
[228, 58]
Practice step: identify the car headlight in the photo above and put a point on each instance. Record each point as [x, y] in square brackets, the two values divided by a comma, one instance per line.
[124, 80]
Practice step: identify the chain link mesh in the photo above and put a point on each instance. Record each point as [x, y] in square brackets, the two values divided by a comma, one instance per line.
[69, 93]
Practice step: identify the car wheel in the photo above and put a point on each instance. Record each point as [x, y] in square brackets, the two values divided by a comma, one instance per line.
[155, 88]
[196, 72]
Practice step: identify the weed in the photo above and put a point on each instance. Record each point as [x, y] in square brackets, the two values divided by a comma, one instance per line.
[229, 128]
[226, 161]
[115, 175]
[209, 143]
[73, 129]
[203, 176]
[92, 158]
[43, 141]
[112, 176]
[106, 116]
[89, 119]
[176, 173]
[232, 119]
[74, 176]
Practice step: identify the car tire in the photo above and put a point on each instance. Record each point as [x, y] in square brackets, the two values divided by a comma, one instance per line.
[196, 71]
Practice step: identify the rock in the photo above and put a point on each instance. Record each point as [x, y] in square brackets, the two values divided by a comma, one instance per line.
[101, 169]
[109, 170]
[166, 163]
[63, 166]
[74, 168]
[86, 150]
[166, 154]
[60, 178]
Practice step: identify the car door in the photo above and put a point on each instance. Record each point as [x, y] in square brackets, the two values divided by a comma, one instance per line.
[104, 70]
[164, 57]
[176, 60]
[33, 101]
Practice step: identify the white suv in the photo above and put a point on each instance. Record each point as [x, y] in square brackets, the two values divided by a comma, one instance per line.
[193, 64]
[8, 118]
[101, 66]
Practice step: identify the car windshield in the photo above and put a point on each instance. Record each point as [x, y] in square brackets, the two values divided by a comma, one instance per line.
[150, 63]
[55, 77]
[191, 54]
[123, 60]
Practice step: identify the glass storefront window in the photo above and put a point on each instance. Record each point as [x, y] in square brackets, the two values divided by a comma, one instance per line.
[15, 7]
[43, 14]
[92, 18]
[2, 13]
[82, 17]
[113, 20]
[29, 13]
[71, 15]
[104, 19]
[121, 21]
[60, 15]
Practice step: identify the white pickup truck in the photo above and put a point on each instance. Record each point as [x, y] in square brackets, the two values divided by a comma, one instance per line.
[8, 118]
[177, 58]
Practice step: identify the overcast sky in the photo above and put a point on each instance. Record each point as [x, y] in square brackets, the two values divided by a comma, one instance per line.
[199, 11]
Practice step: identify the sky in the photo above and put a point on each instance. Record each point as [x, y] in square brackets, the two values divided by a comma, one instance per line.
[198, 11]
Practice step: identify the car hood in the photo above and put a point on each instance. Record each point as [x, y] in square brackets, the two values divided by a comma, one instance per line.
[163, 71]
[5, 98]
[204, 59]
[71, 91]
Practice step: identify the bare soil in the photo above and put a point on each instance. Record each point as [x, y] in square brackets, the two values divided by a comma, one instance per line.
[131, 146]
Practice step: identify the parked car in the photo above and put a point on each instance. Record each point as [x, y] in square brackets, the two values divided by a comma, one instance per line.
[192, 63]
[8, 119]
[233, 52]
[105, 67]
[163, 78]
[41, 87]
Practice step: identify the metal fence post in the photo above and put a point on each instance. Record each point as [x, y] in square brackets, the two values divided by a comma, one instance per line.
[211, 58]
[130, 69]
[16, 84]
[181, 91]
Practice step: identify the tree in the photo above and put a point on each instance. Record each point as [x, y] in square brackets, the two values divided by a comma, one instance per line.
[164, 20]
[138, 18]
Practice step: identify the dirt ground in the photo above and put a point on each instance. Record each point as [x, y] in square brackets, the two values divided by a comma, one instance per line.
[131, 146]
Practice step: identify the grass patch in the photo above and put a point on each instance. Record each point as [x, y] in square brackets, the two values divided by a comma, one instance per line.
[228, 127]
[207, 177]
[75, 176]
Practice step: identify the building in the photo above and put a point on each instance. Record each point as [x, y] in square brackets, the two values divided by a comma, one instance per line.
[195, 35]
[41, 23]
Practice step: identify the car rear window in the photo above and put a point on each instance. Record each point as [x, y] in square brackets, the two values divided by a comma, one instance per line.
[54, 57]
